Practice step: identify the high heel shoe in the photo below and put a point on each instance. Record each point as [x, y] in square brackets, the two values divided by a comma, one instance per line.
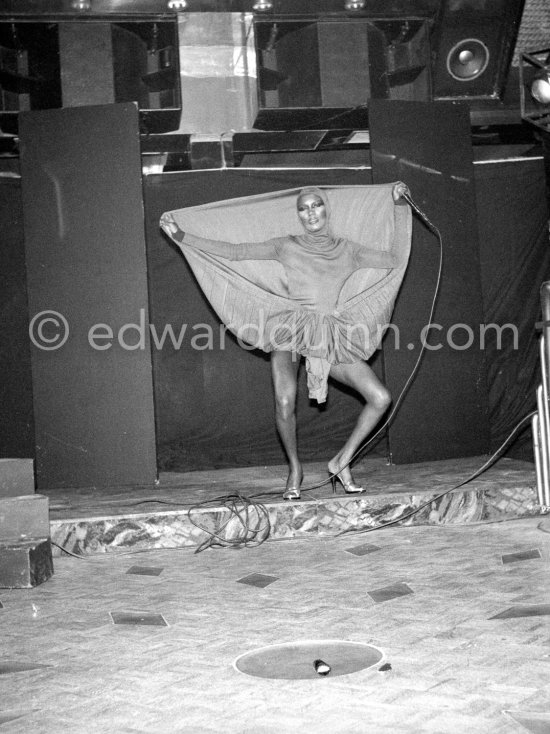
[349, 487]
[292, 493]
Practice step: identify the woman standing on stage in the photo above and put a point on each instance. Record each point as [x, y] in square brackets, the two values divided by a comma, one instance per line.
[317, 265]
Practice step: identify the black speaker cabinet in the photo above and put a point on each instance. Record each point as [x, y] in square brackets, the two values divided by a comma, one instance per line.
[328, 66]
[77, 62]
[472, 44]
[341, 74]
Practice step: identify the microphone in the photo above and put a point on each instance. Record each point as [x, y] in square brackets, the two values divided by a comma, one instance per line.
[321, 668]
[419, 211]
[411, 203]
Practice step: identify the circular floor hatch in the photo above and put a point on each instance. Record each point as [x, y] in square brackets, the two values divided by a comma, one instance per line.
[308, 659]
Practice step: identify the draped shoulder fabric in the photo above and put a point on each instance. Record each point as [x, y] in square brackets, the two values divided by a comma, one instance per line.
[257, 289]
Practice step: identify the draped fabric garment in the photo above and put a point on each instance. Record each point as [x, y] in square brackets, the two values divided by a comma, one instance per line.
[252, 296]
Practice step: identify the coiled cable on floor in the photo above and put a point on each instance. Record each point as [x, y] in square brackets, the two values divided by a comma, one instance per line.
[247, 523]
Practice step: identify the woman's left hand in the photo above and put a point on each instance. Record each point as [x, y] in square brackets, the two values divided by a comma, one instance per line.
[168, 223]
[399, 189]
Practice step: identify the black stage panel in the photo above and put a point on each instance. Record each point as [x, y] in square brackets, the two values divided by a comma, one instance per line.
[213, 399]
[515, 261]
[444, 414]
[16, 414]
[85, 250]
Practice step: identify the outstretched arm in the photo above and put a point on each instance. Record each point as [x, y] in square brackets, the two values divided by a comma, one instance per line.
[228, 250]
[370, 258]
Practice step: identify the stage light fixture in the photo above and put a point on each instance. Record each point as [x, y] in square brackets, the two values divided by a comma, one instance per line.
[534, 79]
[540, 87]
[262, 6]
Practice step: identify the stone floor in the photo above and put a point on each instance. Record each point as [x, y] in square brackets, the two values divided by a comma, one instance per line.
[460, 613]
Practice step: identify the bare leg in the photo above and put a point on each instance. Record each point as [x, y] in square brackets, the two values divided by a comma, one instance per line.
[284, 375]
[377, 400]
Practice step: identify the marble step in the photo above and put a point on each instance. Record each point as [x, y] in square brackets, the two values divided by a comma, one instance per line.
[329, 516]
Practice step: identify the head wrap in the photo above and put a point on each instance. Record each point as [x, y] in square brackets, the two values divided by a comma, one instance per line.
[323, 237]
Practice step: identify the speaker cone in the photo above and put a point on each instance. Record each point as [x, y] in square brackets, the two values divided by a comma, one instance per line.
[467, 59]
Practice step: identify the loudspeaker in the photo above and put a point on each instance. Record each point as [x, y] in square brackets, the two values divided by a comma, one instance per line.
[472, 46]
